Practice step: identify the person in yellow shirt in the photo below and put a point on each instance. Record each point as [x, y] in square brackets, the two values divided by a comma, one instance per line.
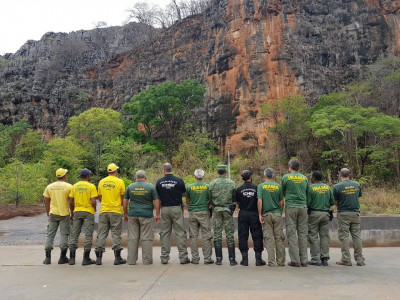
[56, 203]
[111, 193]
[82, 202]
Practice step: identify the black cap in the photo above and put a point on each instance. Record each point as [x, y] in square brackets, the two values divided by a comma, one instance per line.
[246, 174]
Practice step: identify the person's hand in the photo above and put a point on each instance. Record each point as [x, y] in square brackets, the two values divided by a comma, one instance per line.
[260, 217]
[157, 219]
[126, 218]
[71, 218]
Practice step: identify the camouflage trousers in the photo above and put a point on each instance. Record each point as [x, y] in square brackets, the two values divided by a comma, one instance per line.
[223, 221]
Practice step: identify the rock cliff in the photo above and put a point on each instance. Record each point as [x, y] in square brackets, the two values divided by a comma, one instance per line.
[246, 52]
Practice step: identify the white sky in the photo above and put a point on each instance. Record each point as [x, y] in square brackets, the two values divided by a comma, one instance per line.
[22, 20]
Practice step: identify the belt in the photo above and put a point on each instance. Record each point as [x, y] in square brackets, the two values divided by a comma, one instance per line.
[323, 210]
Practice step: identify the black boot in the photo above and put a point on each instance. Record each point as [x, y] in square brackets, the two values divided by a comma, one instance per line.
[218, 253]
[99, 255]
[232, 256]
[118, 259]
[47, 260]
[245, 259]
[324, 262]
[72, 257]
[86, 258]
[259, 260]
[63, 257]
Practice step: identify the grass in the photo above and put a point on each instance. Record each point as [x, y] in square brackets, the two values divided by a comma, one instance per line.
[380, 201]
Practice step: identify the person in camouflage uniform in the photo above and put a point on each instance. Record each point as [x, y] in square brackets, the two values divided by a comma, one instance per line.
[222, 192]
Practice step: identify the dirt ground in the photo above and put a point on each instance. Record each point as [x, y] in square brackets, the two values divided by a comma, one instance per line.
[11, 211]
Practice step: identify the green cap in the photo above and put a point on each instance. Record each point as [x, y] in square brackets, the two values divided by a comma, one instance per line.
[221, 168]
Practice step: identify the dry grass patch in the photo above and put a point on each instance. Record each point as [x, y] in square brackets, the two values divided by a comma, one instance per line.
[380, 201]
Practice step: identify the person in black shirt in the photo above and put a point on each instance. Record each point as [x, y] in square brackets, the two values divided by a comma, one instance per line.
[170, 190]
[246, 197]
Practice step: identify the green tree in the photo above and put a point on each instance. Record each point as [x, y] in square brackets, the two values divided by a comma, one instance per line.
[96, 126]
[162, 111]
[30, 147]
[22, 183]
[9, 139]
[289, 118]
[64, 153]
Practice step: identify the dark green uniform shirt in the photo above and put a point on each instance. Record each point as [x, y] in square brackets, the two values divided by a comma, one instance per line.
[141, 195]
[199, 195]
[222, 193]
[346, 193]
[271, 194]
[320, 197]
[295, 186]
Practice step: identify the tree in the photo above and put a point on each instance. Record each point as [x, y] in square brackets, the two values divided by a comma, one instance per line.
[64, 153]
[22, 183]
[289, 117]
[30, 147]
[161, 111]
[96, 126]
[143, 12]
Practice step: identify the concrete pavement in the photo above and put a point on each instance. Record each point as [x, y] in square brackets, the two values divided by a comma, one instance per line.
[23, 276]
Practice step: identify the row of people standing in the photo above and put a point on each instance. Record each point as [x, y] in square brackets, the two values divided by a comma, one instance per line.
[259, 206]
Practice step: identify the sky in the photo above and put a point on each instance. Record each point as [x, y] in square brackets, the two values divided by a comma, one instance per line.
[23, 20]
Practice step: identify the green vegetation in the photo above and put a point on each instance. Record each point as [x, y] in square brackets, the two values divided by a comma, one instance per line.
[157, 126]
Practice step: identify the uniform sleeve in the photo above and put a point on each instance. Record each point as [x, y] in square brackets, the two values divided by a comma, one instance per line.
[233, 192]
[126, 194]
[99, 189]
[46, 193]
[122, 188]
[187, 195]
[259, 191]
[331, 199]
[280, 193]
[237, 196]
[335, 193]
[154, 193]
[309, 195]
[183, 187]
[284, 181]
[71, 193]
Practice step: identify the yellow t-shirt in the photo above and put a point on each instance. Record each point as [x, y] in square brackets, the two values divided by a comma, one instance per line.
[82, 192]
[58, 193]
[111, 189]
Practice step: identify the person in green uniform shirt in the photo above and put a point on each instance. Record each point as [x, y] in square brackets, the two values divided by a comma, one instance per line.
[82, 202]
[57, 209]
[270, 205]
[111, 193]
[346, 194]
[198, 197]
[295, 188]
[319, 201]
[142, 198]
[222, 191]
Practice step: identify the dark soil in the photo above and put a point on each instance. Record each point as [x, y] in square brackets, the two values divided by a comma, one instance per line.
[11, 211]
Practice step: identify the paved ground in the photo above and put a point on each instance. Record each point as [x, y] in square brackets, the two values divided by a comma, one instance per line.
[23, 276]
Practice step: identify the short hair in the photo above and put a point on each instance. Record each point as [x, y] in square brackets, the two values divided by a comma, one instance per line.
[269, 172]
[221, 172]
[317, 175]
[344, 172]
[294, 164]
[167, 167]
[199, 174]
[140, 174]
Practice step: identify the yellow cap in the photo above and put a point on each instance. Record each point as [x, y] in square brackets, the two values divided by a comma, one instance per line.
[61, 172]
[111, 168]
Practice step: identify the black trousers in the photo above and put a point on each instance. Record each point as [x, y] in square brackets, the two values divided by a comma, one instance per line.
[248, 220]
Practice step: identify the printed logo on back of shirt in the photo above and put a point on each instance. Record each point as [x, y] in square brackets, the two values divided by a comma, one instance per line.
[296, 179]
[168, 184]
[270, 188]
[320, 189]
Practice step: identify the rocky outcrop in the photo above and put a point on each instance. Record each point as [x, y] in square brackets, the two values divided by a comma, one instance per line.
[246, 53]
